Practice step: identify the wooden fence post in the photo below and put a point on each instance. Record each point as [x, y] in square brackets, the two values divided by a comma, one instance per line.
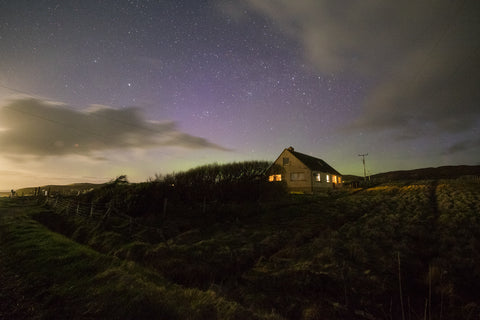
[107, 214]
[91, 210]
[78, 207]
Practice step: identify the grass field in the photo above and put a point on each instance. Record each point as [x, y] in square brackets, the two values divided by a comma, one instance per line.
[405, 250]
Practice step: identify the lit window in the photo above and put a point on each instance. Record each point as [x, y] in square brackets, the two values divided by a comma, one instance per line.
[334, 178]
[275, 177]
[328, 178]
[317, 177]
[297, 176]
[339, 179]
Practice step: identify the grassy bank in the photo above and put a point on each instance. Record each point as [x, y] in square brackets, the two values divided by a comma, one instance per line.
[72, 281]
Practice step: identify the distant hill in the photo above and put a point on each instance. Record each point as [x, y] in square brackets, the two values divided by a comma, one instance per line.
[351, 178]
[71, 189]
[445, 172]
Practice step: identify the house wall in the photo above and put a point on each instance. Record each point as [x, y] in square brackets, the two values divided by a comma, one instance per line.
[322, 184]
[295, 166]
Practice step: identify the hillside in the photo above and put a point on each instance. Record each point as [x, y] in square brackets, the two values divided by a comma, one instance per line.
[444, 172]
[397, 250]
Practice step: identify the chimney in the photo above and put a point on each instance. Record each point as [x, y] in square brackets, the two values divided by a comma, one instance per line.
[290, 149]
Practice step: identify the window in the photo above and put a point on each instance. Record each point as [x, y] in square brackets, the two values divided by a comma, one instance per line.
[339, 179]
[297, 176]
[317, 177]
[334, 178]
[286, 161]
[327, 178]
[275, 177]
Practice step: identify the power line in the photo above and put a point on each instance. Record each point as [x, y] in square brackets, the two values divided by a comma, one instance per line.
[101, 137]
[96, 115]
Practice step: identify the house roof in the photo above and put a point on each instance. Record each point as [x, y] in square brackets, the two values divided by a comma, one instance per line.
[313, 163]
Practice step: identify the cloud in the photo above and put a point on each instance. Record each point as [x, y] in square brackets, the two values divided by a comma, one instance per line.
[462, 146]
[39, 128]
[420, 59]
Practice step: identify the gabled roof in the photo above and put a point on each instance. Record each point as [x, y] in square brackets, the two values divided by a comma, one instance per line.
[313, 163]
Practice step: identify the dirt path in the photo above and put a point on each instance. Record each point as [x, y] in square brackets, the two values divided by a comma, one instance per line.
[433, 198]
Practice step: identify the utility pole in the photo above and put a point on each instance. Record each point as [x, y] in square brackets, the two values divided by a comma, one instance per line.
[364, 170]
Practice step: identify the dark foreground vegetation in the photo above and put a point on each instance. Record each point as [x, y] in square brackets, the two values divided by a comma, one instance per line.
[208, 245]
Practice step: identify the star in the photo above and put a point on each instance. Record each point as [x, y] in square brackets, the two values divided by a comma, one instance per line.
[219, 71]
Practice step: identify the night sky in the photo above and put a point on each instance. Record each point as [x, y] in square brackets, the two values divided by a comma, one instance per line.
[90, 90]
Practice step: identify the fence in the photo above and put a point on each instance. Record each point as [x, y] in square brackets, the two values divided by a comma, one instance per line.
[77, 207]
[470, 178]
[100, 211]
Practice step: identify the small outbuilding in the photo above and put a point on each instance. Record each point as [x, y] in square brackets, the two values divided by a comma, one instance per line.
[303, 173]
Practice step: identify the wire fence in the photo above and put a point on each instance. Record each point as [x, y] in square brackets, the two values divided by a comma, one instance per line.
[75, 206]
[101, 211]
